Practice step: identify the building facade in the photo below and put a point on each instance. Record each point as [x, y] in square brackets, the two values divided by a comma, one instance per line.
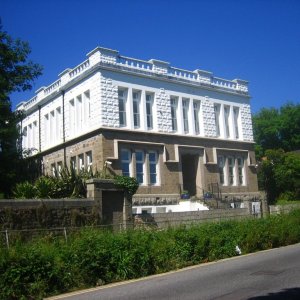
[170, 128]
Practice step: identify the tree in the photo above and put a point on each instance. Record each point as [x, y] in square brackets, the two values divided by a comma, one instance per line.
[279, 175]
[17, 73]
[277, 129]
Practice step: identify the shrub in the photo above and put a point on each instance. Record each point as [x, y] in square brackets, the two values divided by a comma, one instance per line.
[91, 257]
[24, 190]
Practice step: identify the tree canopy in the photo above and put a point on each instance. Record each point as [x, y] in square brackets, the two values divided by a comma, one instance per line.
[277, 129]
[17, 73]
[277, 137]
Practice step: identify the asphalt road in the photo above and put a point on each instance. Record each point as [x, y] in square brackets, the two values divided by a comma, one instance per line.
[272, 274]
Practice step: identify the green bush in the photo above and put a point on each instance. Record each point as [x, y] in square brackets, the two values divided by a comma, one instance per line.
[24, 190]
[49, 266]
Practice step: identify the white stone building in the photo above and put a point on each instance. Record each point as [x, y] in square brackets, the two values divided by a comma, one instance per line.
[172, 129]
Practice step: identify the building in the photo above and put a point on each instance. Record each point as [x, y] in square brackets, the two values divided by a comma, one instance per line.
[170, 128]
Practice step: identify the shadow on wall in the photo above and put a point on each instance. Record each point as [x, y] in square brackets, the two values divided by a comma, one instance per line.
[287, 294]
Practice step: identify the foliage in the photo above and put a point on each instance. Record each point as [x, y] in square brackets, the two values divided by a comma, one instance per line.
[91, 257]
[25, 190]
[66, 184]
[277, 129]
[129, 184]
[277, 134]
[16, 74]
[279, 175]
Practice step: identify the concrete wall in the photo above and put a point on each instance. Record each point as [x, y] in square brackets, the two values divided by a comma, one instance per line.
[164, 220]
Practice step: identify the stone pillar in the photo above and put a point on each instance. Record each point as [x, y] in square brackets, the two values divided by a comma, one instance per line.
[95, 190]
[127, 212]
[264, 205]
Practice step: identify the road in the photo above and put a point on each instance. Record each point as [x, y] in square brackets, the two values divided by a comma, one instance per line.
[272, 274]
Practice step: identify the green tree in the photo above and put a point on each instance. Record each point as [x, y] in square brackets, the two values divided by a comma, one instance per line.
[17, 73]
[277, 129]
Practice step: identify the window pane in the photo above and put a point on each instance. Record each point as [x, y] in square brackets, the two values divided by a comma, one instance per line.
[152, 178]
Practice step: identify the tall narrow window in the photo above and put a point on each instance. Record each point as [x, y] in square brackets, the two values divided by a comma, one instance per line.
[34, 133]
[59, 168]
[226, 119]
[58, 125]
[136, 109]
[149, 103]
[139, 164]
[53, 170]
[153, 167]
[52, 126]
[240, 163]
[185, 112]
[89, 160]
[236, 122]
[221, 166]
[196, 106]
[122, 108]
[79, 113]
[217, 118]
[126, 160]
[81, 162]
[73, 163]
[46, 129]
[72, 116]
[231, 170]
[87, 107]
[25, 137]
[174, 113]
[30, 136]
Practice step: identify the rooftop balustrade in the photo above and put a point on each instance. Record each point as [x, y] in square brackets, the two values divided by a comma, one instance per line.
[111, 58]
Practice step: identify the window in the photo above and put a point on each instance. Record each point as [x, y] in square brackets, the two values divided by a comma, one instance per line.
[81, 162]
[226, 119]
[185, 112]
[34, 137]
[126, 161]
[217, 118]
[72, 116]
[46, 129]
[174, 113]
[136, 109]
[196, 106]
[153, 168]
[89, 160]
[139, 166]
[57, 124]
[53, 170]
[122, 108]
[79, 113]
[87, 106]
[240, 163]
[149, 104]
[25, 137]
[236, 121]
[73, 163]
[221, 166]
[59, 168]
[231, 172]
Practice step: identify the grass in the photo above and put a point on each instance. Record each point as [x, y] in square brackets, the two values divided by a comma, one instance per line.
[50, 266]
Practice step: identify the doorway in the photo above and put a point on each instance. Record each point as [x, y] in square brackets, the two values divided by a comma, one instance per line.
[189, 164]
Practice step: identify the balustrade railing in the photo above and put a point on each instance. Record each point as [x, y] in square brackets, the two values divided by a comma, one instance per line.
[79, 69]
[134, 63]
[182, 73]
[52, 87]
[223, 83]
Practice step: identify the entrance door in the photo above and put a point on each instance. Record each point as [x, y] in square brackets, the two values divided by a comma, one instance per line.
[189, 164]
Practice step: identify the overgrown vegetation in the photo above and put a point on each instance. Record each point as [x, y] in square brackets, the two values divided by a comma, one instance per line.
[69, 184]
[50, 265]
[17, 73]
[277, 137]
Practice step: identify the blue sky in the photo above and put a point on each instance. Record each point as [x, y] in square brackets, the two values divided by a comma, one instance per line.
[257, 40]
